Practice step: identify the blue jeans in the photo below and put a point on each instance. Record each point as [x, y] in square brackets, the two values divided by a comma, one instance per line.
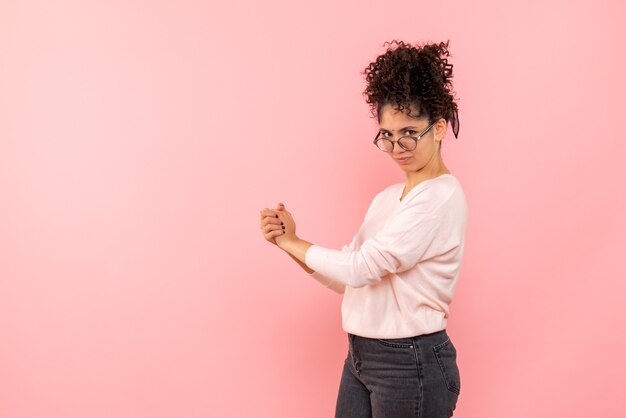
[399, 377]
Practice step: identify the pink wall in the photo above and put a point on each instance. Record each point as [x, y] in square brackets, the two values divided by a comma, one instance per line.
[138, 140]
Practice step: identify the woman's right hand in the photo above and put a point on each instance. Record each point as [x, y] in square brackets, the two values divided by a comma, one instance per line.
[271, 226]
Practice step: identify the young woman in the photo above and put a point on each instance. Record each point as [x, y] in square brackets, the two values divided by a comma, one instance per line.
[399, 273]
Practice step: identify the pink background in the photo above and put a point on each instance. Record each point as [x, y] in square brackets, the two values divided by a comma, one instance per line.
[139, 140]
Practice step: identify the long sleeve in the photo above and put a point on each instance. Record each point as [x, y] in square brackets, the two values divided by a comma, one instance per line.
[398, 246]
[334, 285]
[328, 282]
[338, 285]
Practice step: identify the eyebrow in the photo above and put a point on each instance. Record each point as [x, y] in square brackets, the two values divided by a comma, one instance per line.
[403, 129]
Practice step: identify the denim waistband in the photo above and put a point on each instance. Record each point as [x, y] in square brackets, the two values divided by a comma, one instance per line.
[435, 336]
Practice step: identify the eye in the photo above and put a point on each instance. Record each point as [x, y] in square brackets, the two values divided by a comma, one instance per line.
[383, 134]
[410, 132]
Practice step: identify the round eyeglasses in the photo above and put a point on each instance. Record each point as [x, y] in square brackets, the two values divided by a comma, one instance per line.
[406, 142]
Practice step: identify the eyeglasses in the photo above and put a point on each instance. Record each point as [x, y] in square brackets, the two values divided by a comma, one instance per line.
[406, 142]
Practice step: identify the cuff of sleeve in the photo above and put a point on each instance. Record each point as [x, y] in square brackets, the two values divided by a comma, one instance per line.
[313, 258]
[328, 283]
[320, 278]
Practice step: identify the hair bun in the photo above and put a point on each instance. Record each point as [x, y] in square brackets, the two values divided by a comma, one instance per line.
[408, 76]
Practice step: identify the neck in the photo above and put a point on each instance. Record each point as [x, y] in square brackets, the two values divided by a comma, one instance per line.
[413, 178]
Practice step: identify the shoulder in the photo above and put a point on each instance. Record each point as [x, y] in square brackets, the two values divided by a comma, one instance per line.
[438, 193]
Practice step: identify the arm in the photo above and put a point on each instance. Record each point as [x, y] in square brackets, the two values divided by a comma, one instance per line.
[325, 281]
[304, 266]
[268, 217]
[297, 248]
[392, 250]
[398, 246]
[335, 285]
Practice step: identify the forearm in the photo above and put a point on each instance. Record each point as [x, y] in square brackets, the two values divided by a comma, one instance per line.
[348, 268]
[304, 266]
[299, 249]
[296, 248]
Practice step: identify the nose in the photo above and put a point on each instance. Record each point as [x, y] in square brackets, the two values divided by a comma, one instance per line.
[397, 149]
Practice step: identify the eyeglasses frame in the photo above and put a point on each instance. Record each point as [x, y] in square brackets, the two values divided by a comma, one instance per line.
[393, 143]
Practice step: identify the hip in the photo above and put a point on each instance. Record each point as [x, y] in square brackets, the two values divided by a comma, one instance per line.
[424, 365]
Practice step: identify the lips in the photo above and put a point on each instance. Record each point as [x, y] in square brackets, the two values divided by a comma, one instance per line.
[402, 159]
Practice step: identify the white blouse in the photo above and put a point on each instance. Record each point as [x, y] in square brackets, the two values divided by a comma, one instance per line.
[399, 272]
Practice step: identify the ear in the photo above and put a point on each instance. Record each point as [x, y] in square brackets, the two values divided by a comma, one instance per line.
[440, 129]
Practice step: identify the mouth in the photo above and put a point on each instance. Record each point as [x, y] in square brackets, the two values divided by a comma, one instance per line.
[403, 160]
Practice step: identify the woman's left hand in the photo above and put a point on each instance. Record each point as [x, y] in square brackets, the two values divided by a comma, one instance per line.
[290, 225]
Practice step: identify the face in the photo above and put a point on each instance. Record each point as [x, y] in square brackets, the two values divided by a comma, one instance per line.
[395, 124]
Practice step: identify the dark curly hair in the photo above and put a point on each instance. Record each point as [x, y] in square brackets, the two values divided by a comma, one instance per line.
[413, 76]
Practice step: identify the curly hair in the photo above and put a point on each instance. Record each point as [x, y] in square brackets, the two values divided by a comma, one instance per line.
[413, 76]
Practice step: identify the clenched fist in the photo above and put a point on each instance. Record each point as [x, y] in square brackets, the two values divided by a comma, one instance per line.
[277, 225]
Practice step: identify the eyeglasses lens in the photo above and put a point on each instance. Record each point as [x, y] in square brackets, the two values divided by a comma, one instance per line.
[406, 142]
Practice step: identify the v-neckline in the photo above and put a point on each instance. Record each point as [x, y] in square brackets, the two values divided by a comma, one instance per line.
[402, 199]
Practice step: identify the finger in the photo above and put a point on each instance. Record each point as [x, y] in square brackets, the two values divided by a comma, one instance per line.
[276, 233]
[273, 221]
[269, 212]
[270, 220]
[282, 215]
[272, 227]
[272, 234]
